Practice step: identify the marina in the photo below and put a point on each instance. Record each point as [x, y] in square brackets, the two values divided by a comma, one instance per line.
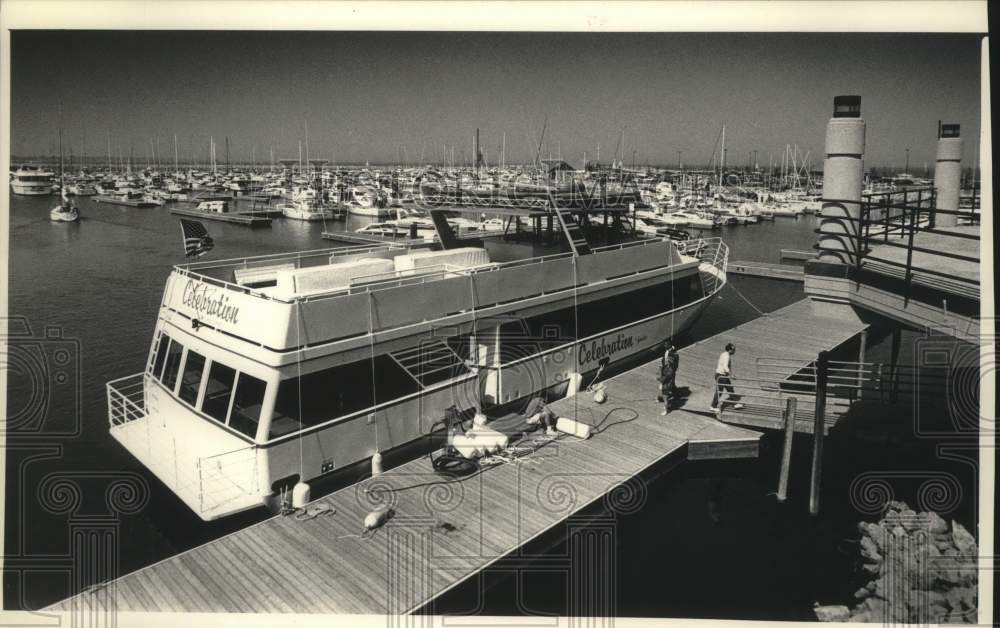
[506, 381]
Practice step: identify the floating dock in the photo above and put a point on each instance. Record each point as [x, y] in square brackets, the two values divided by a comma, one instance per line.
[350, 237]
[797, 255]
[111, 200]
[239, 218]
[445, 532]
[767, 269]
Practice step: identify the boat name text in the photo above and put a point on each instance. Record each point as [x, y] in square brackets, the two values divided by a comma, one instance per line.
[603, 349]
[203, 300]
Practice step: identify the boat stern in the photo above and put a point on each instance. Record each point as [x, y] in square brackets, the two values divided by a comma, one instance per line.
[214, 473]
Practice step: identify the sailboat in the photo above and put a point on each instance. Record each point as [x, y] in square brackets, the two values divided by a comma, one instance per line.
[65, 211]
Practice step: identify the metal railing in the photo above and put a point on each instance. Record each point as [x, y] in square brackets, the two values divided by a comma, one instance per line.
[126, 399]
[779, 379]
[715, 253]
[894, 219]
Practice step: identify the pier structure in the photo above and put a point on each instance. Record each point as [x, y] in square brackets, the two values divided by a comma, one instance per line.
[909, 255]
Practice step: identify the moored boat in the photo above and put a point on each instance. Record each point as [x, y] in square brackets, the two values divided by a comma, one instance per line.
[267, 371]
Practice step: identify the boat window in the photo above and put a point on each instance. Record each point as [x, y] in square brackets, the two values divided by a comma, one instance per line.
[194, 366]
[173, 364]
[336, 392]
[247, 402]
[161, 355]
[218, 390]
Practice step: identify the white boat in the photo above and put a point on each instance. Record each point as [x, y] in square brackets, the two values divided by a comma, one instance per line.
[695, 221]
[82, 188]
[31, 181]
[268, 371]
[791, 209]
[492, 224]
[745, 214]
[364, 201]
[305, 210]
[65, 211]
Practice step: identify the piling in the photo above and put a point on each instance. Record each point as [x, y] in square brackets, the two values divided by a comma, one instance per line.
[786, 452]
[819, 427]
[843, 178]
[948, 174]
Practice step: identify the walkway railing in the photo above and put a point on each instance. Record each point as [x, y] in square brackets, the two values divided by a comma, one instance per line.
[894, 219]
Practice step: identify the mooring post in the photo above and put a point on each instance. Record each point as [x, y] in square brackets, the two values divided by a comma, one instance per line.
[819, 426]
[894, 365]
[861, 362]
[786, 454]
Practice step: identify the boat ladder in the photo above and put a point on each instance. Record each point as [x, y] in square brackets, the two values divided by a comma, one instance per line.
[571, 227]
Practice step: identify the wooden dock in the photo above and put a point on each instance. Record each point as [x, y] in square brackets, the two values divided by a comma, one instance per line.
[445, 532]
[766, 269]
[349, 237]
[239, 218]
[113, 200]
[798, 255]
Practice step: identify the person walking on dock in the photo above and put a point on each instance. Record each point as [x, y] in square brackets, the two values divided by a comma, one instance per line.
[724, 381]
[667, 376]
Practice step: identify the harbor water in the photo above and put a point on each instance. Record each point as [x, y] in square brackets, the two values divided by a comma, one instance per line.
[710, 541]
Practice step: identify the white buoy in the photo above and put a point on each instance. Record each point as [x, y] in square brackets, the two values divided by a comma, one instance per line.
[948, 174]
[376, 464]
[377, 518]
[600, 396]
[573, 428]
[573, 382]
[300, 495]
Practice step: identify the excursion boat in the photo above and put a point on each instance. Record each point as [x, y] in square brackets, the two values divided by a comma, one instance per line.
[270, 370]
[31, 181]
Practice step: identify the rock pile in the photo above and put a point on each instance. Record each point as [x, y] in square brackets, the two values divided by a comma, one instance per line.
[922, 571]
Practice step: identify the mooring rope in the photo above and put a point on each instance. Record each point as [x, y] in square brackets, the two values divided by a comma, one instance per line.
[742, 296]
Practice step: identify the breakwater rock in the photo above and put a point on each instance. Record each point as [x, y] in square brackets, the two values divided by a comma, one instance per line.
[922, 569]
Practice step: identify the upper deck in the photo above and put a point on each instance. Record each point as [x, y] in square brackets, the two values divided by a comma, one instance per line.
[276, 304]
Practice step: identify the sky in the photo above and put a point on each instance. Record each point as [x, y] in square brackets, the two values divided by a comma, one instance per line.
[382, 97]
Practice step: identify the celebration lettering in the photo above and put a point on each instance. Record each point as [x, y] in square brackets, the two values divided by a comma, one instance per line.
[203, 299]
[596, 351]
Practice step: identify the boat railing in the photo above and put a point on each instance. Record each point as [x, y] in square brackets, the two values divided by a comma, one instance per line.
[227, 477]
[126, 399]
[325, 255]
